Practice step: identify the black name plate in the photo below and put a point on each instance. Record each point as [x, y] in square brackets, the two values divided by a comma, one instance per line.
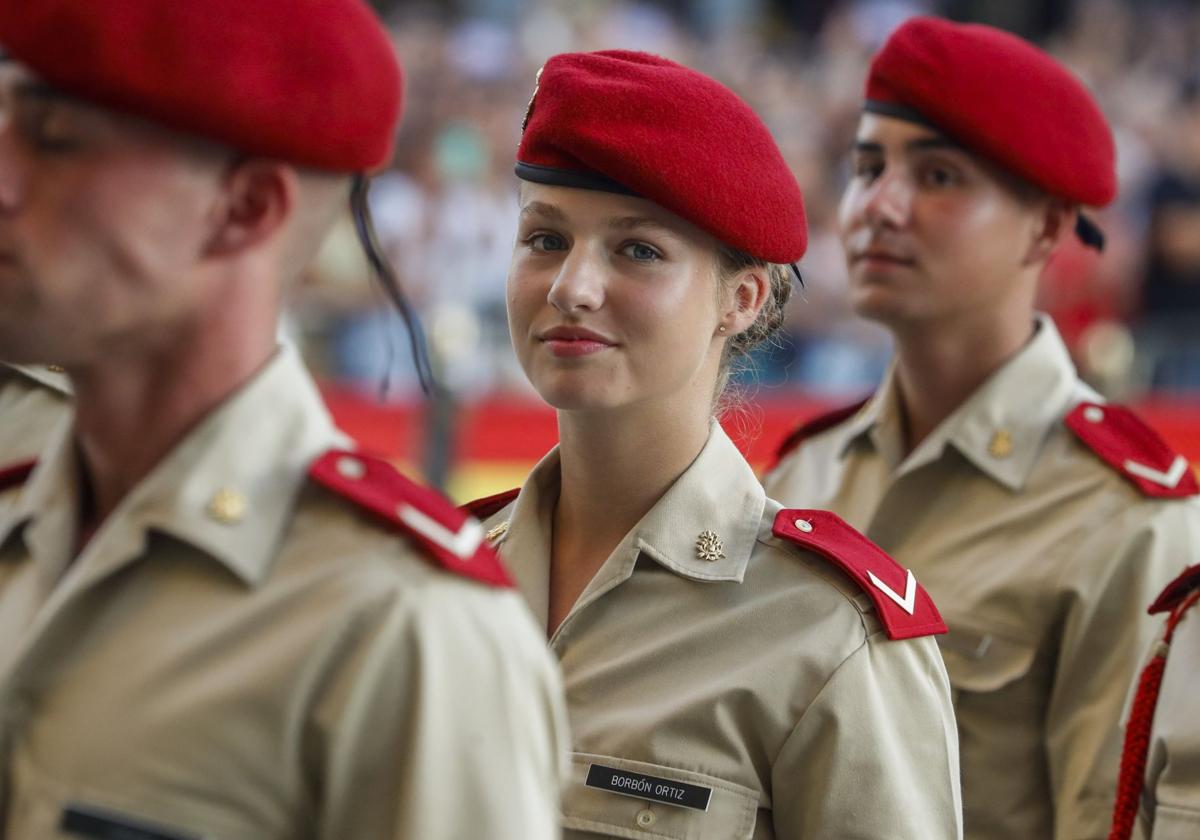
[652, 788]
[101, 824]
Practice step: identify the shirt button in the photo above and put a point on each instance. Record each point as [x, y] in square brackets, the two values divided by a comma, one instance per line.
[646, 818]
[804, 525]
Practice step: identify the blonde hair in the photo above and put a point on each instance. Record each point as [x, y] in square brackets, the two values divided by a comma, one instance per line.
[736, 355]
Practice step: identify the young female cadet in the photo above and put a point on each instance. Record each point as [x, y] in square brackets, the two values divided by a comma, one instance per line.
[1043, 521]
[733, 670]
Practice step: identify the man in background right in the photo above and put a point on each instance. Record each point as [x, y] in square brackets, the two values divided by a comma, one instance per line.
[1041, 520]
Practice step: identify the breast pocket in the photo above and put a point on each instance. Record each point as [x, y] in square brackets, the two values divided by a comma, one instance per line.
[1172, 823]
[622, 798]
[41, 806]
[983, 663]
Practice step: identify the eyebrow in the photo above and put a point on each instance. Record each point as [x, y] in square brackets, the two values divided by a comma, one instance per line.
[621, 223]
[541, 208]
[630, 223]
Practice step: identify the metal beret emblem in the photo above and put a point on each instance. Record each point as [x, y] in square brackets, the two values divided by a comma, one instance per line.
[529, 108]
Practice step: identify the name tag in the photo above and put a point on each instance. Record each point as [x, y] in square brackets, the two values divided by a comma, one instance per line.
[653, 788]
[97, 823]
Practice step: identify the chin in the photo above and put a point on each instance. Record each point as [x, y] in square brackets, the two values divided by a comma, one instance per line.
[567, 393]
[880, 305]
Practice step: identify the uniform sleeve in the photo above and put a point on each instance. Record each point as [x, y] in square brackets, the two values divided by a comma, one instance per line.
[446, 722]
[1117, 571]
[876, 754]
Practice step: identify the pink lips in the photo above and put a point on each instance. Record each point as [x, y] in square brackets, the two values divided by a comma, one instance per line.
[568, 342]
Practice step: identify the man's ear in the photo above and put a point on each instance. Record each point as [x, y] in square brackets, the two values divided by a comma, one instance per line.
[1056, 222]
[747, 296]
[258, 199]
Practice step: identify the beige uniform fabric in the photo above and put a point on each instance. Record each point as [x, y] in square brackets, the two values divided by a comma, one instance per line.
[240, 654]
[1171, 802]
[1041, 559]
[763, 675]
[32, 401]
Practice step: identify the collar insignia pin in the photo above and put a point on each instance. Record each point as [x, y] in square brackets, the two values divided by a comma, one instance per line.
[497, 532]
[709, 547]
[227, 506]
[1001, 445]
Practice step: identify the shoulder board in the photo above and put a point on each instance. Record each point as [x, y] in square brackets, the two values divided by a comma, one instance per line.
[903, 605]
[1127, 444]
[814, 426]
[15, 475]
[485, 507]
[1177, 590]
[446, 534]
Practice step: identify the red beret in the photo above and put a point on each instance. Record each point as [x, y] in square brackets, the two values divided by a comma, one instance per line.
[315, 82]
[635, 123]
[1001, 97]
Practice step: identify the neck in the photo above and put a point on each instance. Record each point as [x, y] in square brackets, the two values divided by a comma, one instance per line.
[615, 468]
[939, 366]
[134, 407]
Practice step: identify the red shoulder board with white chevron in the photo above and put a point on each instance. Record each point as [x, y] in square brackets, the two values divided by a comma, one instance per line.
[448, 535]
[903, 604]
[814, 426]
[1127, 444]
[1177, 590]
[16, 474]
[485, 507]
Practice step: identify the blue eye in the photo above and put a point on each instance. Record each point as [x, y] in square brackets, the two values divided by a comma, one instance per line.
[641, 252]
[546, 242]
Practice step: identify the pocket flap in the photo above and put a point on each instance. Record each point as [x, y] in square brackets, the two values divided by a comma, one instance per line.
[635, 799]
[982, 662]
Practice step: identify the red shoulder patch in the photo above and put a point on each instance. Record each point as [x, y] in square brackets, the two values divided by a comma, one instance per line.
[1127, 444]
[1177, 590]
[903, 604]
[447, 534]
[814, 426]
[483, 508]
[16, 474]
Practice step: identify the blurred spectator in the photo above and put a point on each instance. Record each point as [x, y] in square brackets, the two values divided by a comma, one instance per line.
[446, 212]
[1171, 292]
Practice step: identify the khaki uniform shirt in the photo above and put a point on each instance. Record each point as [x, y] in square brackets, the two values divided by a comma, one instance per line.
[761, 675]
[240, 654]
[1041, 559]
[1171, 803]
[32, 401]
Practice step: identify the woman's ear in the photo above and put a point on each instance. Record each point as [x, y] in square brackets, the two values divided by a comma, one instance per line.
[744, 299]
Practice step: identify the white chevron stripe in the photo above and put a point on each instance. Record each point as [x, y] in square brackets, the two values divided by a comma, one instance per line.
[462, 544]
[1169, 479]
[909, 602]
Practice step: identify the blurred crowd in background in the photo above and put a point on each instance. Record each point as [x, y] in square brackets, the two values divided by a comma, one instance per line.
[446, 210]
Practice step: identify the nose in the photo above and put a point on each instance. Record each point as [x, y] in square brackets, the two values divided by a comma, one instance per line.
[888, 201]
[579, 284]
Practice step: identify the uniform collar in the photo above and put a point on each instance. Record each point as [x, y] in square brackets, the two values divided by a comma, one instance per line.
[999, 429]
[717, 493]
[227, 489]
[53, 378]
